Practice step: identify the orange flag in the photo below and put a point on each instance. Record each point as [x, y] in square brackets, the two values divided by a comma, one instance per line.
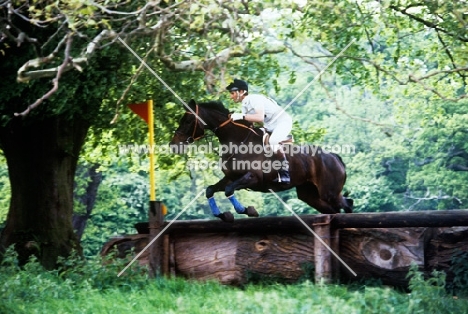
[141, 109]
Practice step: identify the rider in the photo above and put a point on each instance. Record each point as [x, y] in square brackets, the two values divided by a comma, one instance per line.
[261, 109]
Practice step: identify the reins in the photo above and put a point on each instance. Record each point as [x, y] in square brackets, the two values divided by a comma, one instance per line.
[229, 120]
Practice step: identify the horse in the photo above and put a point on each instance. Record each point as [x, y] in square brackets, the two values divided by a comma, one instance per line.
[317, 175]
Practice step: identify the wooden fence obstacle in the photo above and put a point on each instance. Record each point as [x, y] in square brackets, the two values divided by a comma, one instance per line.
[374, 245]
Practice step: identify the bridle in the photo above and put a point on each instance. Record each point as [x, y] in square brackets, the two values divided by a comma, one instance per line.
[192, 138]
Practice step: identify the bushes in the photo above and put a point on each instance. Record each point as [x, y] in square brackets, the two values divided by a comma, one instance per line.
[32, 283]
[92, 286]
[429, 294]
[459, 270]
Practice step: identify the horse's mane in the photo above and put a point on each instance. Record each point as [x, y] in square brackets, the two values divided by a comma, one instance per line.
[215, 105]
[218, 106]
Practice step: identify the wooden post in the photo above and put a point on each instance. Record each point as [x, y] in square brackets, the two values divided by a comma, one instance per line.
[322, 255]
[335, 246]
[172, 270]
[165, 256]
[156, 221]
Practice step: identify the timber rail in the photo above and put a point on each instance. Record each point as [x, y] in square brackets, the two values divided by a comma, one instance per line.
[372, 245]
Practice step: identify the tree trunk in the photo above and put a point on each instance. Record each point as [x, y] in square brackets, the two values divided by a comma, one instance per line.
[88, 199]
[42, 155]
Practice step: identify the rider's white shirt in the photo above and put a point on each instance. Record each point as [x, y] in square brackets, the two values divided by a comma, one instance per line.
[252, 103]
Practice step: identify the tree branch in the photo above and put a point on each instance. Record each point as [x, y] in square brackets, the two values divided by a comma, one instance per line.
[66, 61]
[434, 26]
[457, 167]
[428, 197]
[155, 19]
[25, 75]
[222, 57]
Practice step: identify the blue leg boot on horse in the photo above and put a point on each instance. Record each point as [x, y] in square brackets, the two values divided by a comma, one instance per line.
[227, 216]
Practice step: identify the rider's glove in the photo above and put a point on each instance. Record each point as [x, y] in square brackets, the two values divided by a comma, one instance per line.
[237, 116]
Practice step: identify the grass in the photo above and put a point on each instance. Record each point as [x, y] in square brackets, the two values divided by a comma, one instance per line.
[179, 296]
[93, 287]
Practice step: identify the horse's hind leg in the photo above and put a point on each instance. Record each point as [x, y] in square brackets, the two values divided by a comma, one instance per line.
[309, 194]
[347, 204]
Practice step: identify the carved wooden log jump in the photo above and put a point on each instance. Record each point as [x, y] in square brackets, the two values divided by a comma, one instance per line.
[377, 245]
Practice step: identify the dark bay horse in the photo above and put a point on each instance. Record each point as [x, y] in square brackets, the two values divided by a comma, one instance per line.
[317, 175]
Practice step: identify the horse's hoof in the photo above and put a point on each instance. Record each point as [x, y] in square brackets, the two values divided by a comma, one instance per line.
[226, 217]
[251, 211]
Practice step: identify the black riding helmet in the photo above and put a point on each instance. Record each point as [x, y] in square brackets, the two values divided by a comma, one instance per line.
[238, 85]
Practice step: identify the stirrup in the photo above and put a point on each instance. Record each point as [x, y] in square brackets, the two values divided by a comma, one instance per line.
[283, 177]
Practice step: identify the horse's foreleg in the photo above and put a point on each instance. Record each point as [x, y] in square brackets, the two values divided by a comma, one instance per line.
[237, 206]
[209, 193]
[217, 187]
[245, 181]
[240, 209]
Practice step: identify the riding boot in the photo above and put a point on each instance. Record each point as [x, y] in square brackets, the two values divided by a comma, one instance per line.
[283, 172]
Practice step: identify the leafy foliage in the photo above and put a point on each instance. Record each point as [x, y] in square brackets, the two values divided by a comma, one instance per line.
[429, 294]
[92, 286]
[459, 271]
[4, 191]
[407, 42]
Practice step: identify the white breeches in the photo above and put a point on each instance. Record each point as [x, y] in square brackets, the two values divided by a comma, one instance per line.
[282, 128]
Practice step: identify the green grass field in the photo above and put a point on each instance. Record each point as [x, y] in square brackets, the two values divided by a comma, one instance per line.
[89, 287]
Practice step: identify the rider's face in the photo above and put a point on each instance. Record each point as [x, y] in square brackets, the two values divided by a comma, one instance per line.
[236, 95]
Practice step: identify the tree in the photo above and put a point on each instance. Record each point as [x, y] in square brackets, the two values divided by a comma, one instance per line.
[411, 55]
[404, 42]
[67, 65]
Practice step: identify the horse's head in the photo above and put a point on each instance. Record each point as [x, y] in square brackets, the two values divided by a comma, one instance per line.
[191, 128]
[196, 119]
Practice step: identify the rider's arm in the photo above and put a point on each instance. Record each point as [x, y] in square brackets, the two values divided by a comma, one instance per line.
[254, 108]
[258, 116]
